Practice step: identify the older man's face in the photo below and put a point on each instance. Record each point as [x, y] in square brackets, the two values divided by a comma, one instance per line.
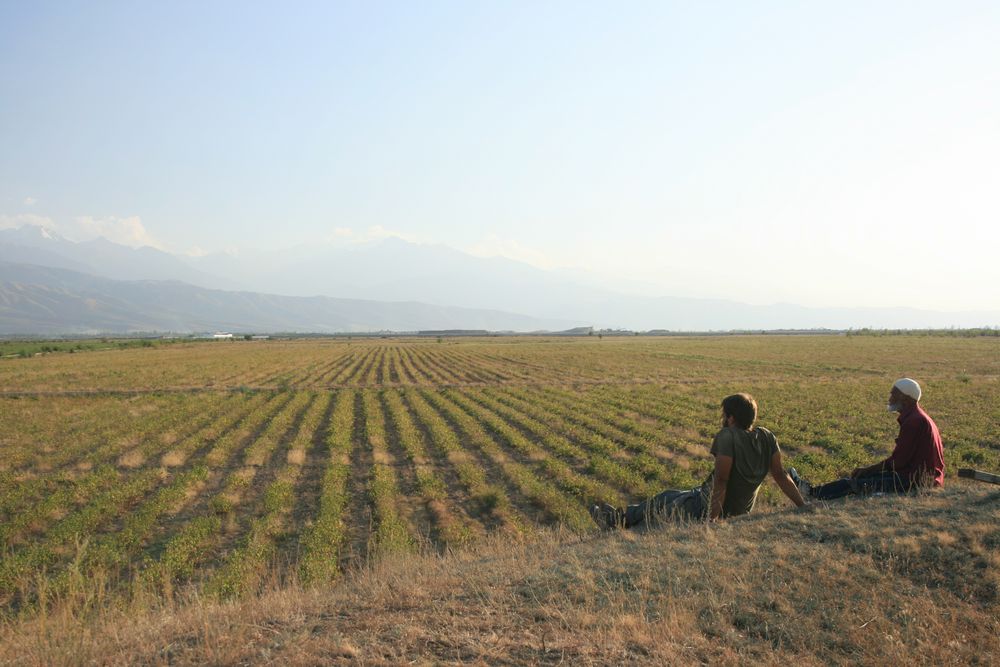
[895, 400]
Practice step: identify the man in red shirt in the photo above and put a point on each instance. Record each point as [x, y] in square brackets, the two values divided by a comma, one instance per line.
[917, 459]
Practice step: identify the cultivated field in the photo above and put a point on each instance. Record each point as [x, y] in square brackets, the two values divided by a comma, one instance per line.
[224, 465]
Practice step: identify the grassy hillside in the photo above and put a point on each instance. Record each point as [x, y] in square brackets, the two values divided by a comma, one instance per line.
[863, 581]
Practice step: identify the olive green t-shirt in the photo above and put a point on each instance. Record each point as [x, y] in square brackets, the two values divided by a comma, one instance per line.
[751, 452]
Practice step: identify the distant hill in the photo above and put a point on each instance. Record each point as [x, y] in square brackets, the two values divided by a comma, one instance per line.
[393, 270]
[50, 301]
[396, 270]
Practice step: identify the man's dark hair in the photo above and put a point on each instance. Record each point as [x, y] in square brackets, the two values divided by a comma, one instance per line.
[742, 407]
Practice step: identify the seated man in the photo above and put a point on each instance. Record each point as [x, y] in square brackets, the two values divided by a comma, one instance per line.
[743, 457]
[917, 459]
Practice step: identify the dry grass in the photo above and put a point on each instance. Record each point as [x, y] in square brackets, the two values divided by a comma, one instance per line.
[131, 459]
[172, 459]
[872, 582]
[296, 456]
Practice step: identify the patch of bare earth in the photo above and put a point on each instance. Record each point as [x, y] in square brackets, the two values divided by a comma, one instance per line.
[131, 459]
[172, 459]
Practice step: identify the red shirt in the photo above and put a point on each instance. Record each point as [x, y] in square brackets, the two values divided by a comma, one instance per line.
[918, 455]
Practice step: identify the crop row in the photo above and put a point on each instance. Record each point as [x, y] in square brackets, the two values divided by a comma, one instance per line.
[108, 515]
[488, 500]
[31, 505]
[64, 539]
[192, 541]
[478, 430]
[323, 541]
[393, 365]
[247, 565]
[390, 532]
[450, 528]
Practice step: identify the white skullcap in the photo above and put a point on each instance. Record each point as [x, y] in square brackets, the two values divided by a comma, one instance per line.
[908, 387]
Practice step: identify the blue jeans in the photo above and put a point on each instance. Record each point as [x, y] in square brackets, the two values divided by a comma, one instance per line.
[883, 482]
[669, 504]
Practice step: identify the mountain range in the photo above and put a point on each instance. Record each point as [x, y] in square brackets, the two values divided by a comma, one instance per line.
[49, 301]
[50, 285]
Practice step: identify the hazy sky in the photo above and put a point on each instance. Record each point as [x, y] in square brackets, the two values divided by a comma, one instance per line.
[834, 153]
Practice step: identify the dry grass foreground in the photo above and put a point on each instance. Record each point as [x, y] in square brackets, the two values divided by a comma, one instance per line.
[863, 581]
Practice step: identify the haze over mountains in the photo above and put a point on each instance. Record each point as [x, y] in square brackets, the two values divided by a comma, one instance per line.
[50, 285]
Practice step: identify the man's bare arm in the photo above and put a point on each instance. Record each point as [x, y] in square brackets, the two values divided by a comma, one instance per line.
[723, 466]
[785, 482]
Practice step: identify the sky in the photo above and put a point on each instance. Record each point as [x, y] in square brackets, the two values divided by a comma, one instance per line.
[826, 154]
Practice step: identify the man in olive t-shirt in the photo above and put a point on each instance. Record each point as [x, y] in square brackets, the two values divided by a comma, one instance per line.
[744, 455]
[751, 452]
